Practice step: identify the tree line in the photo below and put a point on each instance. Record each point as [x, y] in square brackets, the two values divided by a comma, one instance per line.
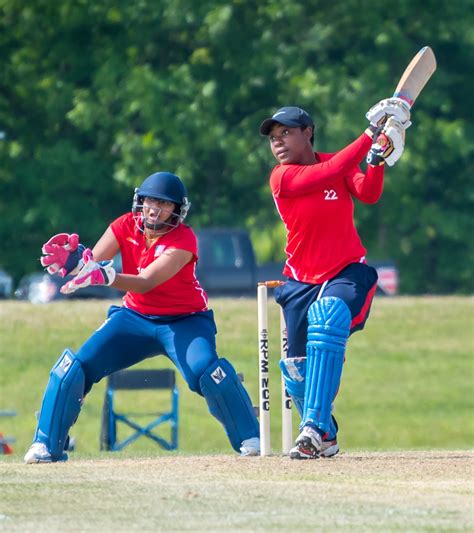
[95, 96]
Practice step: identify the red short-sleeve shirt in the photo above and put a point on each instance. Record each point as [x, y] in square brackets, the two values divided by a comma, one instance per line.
[181, 294]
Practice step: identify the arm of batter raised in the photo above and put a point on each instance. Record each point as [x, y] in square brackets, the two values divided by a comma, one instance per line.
[296, 180]
[366, 187]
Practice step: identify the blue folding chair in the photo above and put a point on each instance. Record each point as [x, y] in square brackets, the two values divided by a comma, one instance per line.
[139, 380]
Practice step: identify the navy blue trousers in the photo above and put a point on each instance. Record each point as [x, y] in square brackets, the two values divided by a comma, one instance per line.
[355, 285]
[127, 337]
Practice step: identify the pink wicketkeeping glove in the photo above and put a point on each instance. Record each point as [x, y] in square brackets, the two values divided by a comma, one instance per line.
[62, 254]
[92, 273]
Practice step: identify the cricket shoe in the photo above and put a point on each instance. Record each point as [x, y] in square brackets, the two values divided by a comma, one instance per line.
[250, 447]
[308, 445]
[38, 453]
[329, 448]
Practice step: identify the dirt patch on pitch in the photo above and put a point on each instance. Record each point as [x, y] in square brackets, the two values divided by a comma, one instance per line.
[427, 464]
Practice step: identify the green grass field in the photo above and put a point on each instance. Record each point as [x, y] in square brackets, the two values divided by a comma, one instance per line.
[407, 382]
[405, 412]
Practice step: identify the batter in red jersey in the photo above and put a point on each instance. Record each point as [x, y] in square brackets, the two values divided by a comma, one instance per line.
[329, 287]
[165, 311]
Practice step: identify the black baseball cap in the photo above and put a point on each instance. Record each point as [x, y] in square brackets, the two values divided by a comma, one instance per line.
[293, 117]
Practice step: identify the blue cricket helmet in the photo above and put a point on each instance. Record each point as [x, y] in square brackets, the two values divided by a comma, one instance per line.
[163, 186]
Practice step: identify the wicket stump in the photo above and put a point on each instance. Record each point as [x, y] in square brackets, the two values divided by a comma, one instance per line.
[264, 376]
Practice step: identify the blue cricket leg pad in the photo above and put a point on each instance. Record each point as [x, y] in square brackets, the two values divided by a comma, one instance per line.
[293, 370]
[61, 405]
[329, 321]
[229, 402]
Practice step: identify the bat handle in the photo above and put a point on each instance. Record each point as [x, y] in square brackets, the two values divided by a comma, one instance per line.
[382, 140]
[404, 96]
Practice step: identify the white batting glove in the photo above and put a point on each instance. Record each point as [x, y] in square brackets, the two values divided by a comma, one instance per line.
[389, 107]
[92, 273]
[389, 145]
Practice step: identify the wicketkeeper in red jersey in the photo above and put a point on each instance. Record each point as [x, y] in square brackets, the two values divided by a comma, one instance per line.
[329, 289]
[164, 311]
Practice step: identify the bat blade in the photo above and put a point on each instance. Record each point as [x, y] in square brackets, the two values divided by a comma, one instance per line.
[416, 75]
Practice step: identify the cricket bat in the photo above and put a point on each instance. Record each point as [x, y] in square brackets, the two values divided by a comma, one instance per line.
[416, 76]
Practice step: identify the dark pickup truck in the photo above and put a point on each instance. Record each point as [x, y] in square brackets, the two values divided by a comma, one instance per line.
[227, 265]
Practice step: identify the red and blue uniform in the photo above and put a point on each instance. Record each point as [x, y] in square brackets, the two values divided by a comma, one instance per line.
[324, 250]
[150, 323]
[171, 319]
